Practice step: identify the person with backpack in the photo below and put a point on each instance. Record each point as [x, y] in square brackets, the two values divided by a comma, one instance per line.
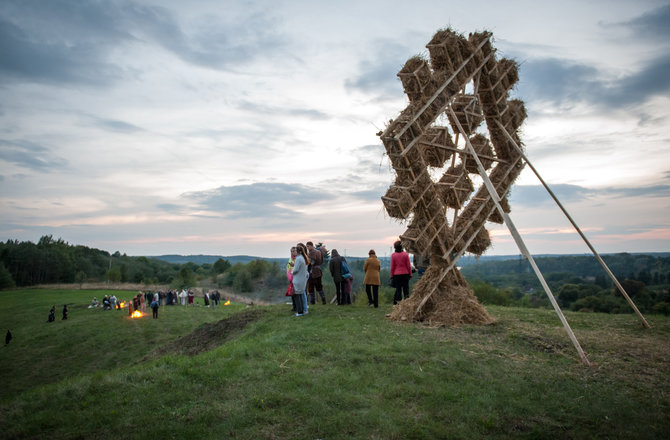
[314, 283]
[335, 267]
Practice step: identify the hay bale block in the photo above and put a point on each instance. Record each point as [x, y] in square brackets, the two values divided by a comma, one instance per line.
[468, 112]
[454, 188]
[484, 152]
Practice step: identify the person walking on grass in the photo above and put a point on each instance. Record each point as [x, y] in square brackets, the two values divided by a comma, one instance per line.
[401, 272]
[65, 311]
[300, 275]
[371, 268]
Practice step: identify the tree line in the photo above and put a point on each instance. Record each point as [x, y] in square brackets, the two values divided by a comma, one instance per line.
[579, 283]
[50, 261]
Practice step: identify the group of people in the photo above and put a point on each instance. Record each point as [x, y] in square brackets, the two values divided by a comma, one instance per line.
[304, 273]
[156, 299]
[401, 272]
[52, 313]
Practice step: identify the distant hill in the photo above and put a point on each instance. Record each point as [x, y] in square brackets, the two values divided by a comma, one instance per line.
[211, 259]
[463, 261]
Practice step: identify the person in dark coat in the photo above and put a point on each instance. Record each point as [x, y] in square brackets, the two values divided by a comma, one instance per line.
[154, 308]
[8, 337]
[64, 312]
[52, 314]
[334, 267]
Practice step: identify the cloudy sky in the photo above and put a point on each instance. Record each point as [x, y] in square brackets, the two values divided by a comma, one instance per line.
[242, 127]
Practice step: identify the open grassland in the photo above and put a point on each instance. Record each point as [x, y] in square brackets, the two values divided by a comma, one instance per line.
[340, 372]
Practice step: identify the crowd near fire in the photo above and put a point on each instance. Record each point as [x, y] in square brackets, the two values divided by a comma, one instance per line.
[137, 305]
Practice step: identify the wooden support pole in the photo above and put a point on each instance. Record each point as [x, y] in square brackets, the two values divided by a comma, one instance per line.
[521, 245]
[579, 231]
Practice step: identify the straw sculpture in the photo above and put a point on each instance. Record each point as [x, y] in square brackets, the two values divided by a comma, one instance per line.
[415, 143]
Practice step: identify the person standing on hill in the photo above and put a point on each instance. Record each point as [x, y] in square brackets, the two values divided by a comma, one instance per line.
[335, 266]
[314, 282]
[290, 291]
[191, 296]
[401, 272]
[65, 312]
[372, 267]
[300, 276]
[154, 308]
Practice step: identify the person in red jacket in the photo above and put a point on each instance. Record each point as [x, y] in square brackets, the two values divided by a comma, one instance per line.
[401, 272]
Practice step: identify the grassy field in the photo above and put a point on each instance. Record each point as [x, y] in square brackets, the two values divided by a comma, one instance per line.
[340, 372]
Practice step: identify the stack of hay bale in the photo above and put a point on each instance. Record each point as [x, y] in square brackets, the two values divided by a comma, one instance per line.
[414, 143]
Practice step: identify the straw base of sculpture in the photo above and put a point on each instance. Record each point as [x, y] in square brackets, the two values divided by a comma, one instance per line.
[452, 304]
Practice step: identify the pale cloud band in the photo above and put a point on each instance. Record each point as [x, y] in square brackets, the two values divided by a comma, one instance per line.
[174, 127]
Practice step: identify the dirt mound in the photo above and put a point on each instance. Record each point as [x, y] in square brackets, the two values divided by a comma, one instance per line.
[212, 335]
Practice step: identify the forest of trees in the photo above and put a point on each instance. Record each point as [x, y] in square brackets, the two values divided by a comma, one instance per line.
[578, 282]
[50, 261]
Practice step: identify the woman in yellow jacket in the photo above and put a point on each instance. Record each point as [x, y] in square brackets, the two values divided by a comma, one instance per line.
[372, 267]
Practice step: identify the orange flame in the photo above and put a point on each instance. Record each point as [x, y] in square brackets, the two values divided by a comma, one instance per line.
[122, 304]
[227, 303]
[136, 314]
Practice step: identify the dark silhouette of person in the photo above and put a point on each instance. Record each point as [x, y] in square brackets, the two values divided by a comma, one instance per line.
[64, 311]
[8, 337]
[52, 314]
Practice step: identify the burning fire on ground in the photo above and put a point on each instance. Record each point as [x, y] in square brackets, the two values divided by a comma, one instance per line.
[136, 314]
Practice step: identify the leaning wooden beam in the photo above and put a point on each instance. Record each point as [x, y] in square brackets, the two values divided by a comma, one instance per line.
[579, 231]
[520, 243]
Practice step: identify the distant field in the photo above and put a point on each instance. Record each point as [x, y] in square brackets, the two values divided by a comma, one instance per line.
[340, 372]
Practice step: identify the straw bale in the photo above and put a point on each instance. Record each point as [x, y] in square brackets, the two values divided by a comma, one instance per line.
[509, 71]
[495, 216]
[480, 243]
[431, 141]
[415, 75]
[438, 48]
[468, 113]
[517, 111]
[436, 207]
[444, 239]
[398, 202]
[414, 239]
[452, 304]
[483, 148]
[420, 185]
[454, 187]
[434, 156]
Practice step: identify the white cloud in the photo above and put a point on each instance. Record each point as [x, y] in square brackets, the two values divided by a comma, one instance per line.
[178, 128]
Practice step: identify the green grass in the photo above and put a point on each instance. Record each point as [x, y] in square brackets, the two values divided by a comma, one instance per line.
[339, 372]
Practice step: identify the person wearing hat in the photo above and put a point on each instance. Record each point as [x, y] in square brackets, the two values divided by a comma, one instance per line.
[372, 267]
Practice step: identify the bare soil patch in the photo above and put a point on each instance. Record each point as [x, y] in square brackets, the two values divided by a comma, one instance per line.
[212, 335]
